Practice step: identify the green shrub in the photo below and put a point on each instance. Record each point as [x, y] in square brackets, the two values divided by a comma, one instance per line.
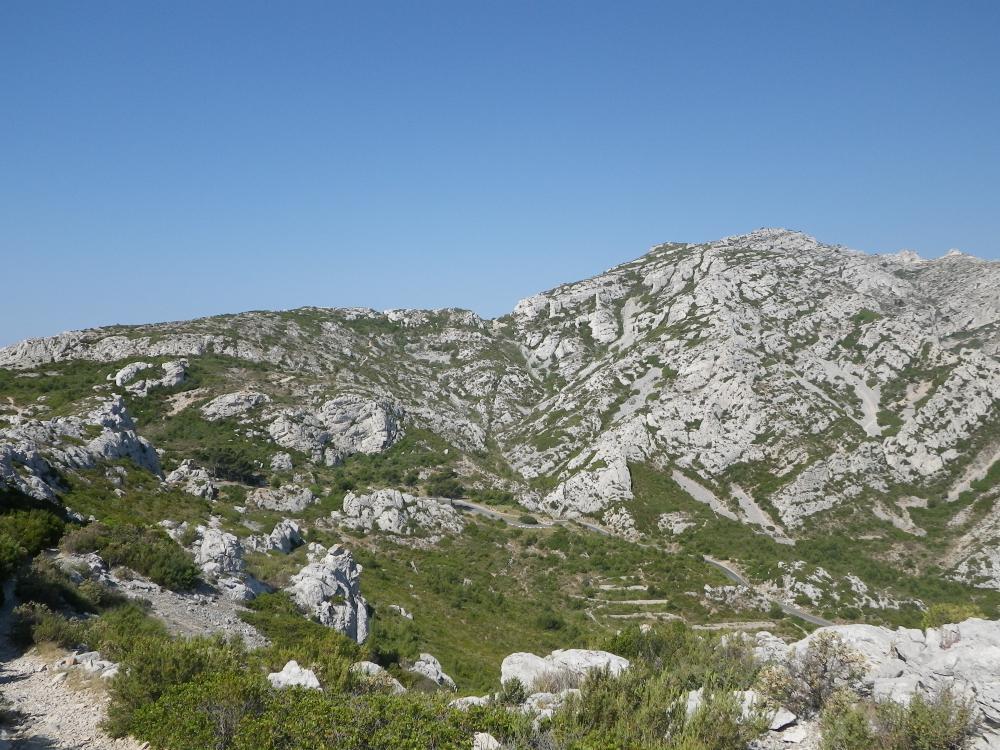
[46, 583]
[944, 614]
[827, 665]
[444, 484]
[239, 711]
[845, 724]
[203, 714]
[146, 550]
[10, 555]
[940, 722]
[33, 529]
[117, 633]
[36, 623]
[512, 693]
[154, 665]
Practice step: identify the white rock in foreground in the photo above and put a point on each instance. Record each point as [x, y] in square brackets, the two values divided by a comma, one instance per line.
[292, 675]
[563, 665]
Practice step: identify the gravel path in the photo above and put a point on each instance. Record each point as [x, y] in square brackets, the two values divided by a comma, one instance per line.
[55, 711]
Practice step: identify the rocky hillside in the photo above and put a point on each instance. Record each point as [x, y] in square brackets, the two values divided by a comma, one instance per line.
[762, 433]
[774, 381]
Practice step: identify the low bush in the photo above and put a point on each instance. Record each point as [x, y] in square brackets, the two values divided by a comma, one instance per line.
[943, 614]
[154, 665]
[37, 623]
[826, 665]
[146, 550]
[939, 722]
[46, 583]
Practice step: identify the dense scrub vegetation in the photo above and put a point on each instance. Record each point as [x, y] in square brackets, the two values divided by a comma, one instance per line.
[146, 550]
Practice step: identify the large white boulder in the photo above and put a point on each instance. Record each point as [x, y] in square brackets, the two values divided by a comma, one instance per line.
[292, 675]
[339, 427]
[329, 590]
[563, 665]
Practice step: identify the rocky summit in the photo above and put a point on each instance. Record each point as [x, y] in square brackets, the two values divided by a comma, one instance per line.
[758, 435]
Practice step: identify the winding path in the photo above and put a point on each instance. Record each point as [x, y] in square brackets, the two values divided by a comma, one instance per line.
[788, 609]
[482, 510]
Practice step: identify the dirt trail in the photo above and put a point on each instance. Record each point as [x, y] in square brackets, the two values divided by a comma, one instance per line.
[55, 711]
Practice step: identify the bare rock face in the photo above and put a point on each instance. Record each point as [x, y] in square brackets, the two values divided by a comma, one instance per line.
[219, 554]
[281, 462]
[329, 589]
[31, 451]
[172, 373]
[561, 665]
[398, 513]
[839, 374]
[233, 404]
[286, 536]
[288, 498]
[193, 479]
[340, 427]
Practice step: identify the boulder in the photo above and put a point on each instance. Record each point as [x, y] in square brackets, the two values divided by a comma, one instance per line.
[484, 741]
[340, 427]
[233, 404]
[289, 498]
[286, 536]
[429, 667]
[172, 374]
[398, 513]
[193, 479]
[292, 675]
[218, 552]
[329, 590]
[569, 666]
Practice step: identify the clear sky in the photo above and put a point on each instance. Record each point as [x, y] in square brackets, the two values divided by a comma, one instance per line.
[168, 160]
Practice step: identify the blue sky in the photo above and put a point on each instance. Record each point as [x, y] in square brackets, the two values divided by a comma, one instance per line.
[169, 160]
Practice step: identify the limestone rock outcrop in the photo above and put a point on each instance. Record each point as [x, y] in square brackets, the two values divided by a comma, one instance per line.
[289, 498]
[329, 590]
[32, 452]
[430, 668]
[172, 373]
[193, 479]
[398, 513]
[561, 666]
[233, 404]
[339, 427]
